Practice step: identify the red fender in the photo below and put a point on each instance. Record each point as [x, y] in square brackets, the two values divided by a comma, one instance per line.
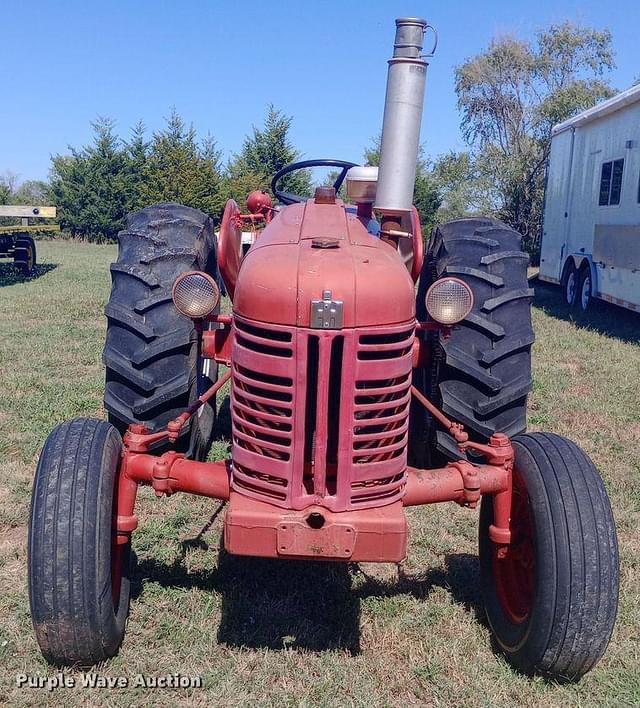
[418, 245]
[229, 247]
[411, 250]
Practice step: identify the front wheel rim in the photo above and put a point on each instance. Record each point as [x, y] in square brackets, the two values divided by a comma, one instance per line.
[515, 572]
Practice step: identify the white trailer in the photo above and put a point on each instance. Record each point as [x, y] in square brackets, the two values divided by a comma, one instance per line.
[591, 232]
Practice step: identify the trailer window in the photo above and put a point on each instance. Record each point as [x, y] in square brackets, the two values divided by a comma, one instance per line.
[611, 182]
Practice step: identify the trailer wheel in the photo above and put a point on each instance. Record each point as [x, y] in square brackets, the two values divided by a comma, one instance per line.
[584, 293]
[24, 255]
[570, 282]
[78, 576]
[153, 367]
[481, 374]
[551, 601]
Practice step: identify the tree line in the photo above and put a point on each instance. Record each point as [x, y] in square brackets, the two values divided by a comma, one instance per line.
[509, 97]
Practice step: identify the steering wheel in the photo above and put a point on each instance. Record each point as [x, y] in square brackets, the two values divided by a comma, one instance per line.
[288, 197]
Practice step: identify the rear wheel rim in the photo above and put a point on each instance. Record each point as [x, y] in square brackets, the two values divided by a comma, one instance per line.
[515, 573]
[571, 288]
[585, 294]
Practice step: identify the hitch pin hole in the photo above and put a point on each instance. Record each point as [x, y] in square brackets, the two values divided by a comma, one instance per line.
[315, 520]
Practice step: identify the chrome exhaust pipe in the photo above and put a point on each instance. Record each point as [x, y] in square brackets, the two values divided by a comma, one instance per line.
[402, 119]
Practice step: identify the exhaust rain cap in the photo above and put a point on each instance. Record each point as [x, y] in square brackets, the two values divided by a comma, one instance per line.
[403, 105]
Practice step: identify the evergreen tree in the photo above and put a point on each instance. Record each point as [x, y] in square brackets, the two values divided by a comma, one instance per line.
[177, 169]
[137, 154]
[266, 151]
[90, 185]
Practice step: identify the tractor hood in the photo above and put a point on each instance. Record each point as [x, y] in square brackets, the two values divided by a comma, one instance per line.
[313, 251]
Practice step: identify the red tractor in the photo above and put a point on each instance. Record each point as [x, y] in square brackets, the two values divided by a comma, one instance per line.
[351, 398]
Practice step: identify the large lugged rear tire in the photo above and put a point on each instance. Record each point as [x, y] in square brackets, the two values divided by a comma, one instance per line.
[551, 601]
[78, 577]
[481, 374]
[153, 370]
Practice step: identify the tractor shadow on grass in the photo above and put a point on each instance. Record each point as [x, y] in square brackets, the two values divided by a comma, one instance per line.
[268, 603]
[460, 577]
[311, 605]
[285, 604]
[10, 275]
[606, 319]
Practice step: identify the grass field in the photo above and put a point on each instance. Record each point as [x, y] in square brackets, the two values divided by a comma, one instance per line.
[282, 633]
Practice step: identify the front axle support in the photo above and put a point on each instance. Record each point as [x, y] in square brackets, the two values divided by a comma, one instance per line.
[262, 528]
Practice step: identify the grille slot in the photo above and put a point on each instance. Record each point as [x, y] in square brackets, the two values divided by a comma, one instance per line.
[259, 482]
[256, 345]
[311, 402]
[276, 335]
[391, 345]
[333, 408]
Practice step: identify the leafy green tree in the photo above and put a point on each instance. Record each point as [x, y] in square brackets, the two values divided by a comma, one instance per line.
[510, 97]
[32, 191]
[264, 152]
[5, 192]
[426, 196]
[462, 187]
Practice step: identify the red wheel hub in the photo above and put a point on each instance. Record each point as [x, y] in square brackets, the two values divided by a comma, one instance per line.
[116, 569]
[515, 572]
[117, 549]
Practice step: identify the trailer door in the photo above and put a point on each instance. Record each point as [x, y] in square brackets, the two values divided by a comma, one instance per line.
[557, 206]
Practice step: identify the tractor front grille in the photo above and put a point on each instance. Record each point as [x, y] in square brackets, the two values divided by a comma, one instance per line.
[320, 417]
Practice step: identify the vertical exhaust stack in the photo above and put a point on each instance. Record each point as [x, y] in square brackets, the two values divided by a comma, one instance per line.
[401, 125]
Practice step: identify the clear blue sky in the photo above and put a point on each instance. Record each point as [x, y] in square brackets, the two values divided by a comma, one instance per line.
[220, 63]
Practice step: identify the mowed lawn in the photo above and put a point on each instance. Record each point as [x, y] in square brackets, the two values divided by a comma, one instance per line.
[284, 633]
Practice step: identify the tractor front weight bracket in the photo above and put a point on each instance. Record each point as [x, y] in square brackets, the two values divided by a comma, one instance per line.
[460, 481]
[167, 474]
[466, 482]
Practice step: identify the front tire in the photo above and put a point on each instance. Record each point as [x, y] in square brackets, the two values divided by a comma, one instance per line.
[552, 600]
[78, 577]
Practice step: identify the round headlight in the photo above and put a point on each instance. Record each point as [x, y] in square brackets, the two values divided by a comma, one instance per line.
[449, 300]
[195, 294]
